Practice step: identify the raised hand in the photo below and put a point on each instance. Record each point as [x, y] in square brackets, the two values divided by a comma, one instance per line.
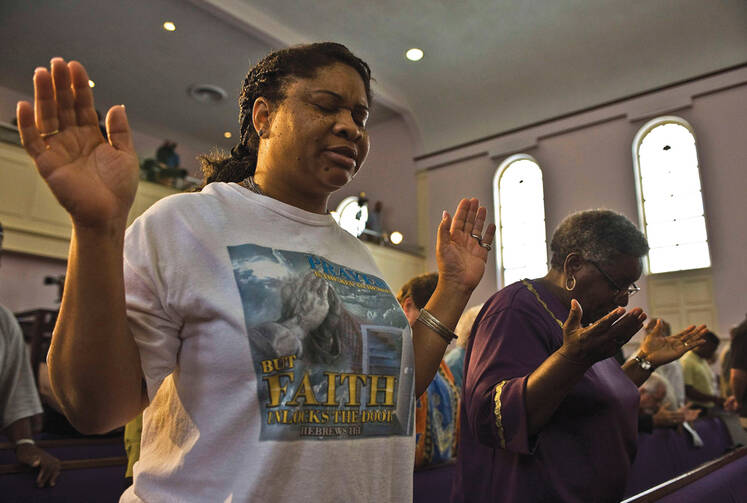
[588, 345]
[460, 255]
[94, 180]
[659, 349]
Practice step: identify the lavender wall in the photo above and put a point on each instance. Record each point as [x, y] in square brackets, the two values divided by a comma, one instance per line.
[587, 162]
[720, 122]
[22, 281]
[389, 176]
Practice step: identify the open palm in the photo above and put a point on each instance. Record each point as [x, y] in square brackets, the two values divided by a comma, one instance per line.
[461, 257]
[93, 180]
[660, 349]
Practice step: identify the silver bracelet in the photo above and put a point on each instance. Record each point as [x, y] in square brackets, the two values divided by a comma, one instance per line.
[432, 322]
[644, 363]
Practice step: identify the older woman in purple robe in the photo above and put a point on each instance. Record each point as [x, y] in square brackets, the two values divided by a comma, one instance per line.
[547, 414]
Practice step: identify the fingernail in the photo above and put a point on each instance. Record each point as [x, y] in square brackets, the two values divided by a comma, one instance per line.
[122, 105]
[443, 215]
[38, 68]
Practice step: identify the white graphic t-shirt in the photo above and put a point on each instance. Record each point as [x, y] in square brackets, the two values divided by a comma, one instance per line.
[278, 363]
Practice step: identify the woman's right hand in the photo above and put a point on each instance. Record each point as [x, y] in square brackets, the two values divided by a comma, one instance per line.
[94, 180]
[600, 340]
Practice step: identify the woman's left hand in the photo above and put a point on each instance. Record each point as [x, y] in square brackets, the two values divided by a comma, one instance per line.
[461, 256]
[660, 349]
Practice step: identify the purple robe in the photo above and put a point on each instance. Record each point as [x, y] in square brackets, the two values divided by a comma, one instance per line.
[583, 453]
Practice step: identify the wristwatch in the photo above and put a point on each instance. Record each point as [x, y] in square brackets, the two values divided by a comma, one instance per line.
[644, 363]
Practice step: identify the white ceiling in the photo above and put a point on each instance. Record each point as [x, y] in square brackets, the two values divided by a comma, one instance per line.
[489, 66]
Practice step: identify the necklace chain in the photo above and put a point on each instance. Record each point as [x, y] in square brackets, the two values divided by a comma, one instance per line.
[534, 291]
[249, 183]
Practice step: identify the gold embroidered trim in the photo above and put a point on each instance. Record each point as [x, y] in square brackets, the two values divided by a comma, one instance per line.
[498, 415]
[531, 288]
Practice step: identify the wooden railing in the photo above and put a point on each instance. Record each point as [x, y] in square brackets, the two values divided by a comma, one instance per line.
[657, 492]
[71, 464]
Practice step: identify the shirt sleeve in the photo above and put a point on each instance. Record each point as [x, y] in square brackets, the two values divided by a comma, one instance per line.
[18, 395]
[689, 372]
[154, 325]
[455, 361]
[508, 346]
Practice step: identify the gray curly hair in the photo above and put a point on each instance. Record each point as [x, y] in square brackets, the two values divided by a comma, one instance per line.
[600, 235]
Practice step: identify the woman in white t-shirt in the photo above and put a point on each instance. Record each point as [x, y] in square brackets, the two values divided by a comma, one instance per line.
[273, 361]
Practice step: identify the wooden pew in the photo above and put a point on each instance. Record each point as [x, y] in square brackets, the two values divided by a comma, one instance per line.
[92, 470]
[727, 474]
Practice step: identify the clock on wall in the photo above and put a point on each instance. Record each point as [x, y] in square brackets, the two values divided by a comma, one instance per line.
[352, 214]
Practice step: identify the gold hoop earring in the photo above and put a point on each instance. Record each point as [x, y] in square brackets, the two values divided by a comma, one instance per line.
[572, 281]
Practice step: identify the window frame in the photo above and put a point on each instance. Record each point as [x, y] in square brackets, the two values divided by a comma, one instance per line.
[500, 170]
[643, 131]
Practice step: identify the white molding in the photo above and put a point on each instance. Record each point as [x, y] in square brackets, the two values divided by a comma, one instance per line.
[633, 109]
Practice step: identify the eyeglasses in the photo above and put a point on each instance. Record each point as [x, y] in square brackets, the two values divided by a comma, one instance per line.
[631, 290]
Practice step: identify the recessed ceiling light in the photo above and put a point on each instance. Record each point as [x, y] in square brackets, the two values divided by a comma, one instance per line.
[169, 26]
[414, 54]
[207, 93]
[91, 83]
[227, 134]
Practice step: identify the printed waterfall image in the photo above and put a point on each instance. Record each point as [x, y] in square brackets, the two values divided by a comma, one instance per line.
[332, 349]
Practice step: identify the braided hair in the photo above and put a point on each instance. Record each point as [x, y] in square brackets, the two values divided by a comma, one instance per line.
[268, 79]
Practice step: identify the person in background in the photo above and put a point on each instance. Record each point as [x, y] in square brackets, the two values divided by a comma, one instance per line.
[655, 412]
[738, 372]
[19, 399]
[455, 357]
[547, 414]
[437, 410]
[133, 432]
[699, 377]
[375, 223]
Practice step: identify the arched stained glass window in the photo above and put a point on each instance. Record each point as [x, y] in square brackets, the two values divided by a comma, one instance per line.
[520, 215]
[670, 201]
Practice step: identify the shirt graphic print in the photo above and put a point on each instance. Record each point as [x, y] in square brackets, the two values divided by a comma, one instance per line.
[331, 347]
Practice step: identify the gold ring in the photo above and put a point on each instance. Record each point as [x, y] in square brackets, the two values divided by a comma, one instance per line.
[51, 133]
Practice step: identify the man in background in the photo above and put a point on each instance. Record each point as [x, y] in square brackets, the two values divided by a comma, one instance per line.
[699, 378]
[19, 399]
[738, 371]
